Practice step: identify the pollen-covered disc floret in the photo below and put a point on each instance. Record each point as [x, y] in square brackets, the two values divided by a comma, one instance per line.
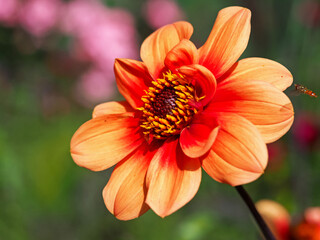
[167, 106]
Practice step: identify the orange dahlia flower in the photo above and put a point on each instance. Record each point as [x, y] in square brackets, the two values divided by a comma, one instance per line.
[185, 108]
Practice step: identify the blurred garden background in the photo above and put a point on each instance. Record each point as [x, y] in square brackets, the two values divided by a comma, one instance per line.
[56, 64]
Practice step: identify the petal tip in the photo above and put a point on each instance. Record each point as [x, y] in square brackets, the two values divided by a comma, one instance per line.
[119, 61]
[246, 13]
[160, 212]
[237, 9]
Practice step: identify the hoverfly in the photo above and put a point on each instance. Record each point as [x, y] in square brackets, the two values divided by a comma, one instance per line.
[302, 89]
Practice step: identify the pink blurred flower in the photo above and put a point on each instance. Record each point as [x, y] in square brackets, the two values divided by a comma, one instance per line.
[38, 17]
[101, 34]
[8, 11]
[161, 12]
[105, 43]
[306, 130]
[80, 15]
[94, 87]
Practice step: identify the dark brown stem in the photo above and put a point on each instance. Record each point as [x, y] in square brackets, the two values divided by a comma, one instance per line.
[263, 226]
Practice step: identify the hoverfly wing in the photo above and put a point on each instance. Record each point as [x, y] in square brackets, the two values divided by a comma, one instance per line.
[294, 92]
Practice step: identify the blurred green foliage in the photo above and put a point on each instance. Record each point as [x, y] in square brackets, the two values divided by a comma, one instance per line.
[44, 195]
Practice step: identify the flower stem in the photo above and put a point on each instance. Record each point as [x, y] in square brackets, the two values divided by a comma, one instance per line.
[263, 226]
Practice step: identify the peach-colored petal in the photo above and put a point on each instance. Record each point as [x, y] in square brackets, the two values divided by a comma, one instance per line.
[172, 179]
[185, 53]
[132, 78]
[155, 48]
[202, 79]
[227, 41]
[125, 192]
[276, 217]
[111, 108]
[259, 69]
[239, 154]
[104, 141]
[269, 109]
[197, 139]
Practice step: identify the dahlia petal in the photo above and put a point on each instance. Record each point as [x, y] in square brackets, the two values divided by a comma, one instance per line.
[185, 53]
[276, 217]
[238, 155]
[277, 130]
[111, 108]
[259, 69]
[227, 41]
[269, 109]
[104, 141]
[202, 79]
[197, 139]
[125, 193]
[132, 79]
[172, 179]
[224, 172]
[155, 48]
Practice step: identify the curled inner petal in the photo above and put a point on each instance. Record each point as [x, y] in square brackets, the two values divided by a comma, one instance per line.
[155, 48]
[132, 78]
[203, 80]
[185, 53]
[197, 139]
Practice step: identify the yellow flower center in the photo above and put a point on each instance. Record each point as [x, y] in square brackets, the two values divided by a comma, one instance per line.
[167, 106]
